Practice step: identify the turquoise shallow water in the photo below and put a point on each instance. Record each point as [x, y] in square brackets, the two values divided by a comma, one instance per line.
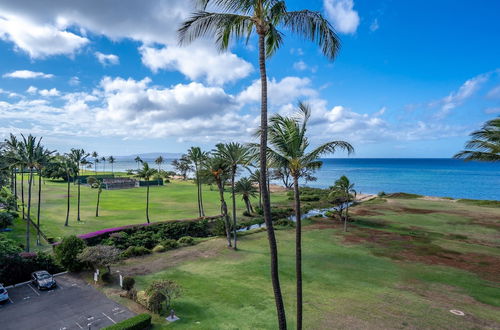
[432, 177]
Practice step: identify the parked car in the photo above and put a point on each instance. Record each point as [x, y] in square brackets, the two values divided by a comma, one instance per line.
[4, 295]
[43, 280]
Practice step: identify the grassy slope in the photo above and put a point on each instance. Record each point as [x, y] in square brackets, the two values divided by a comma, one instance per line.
[176, 200]
[345, 285]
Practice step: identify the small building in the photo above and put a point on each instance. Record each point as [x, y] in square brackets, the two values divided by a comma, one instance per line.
[119, 183]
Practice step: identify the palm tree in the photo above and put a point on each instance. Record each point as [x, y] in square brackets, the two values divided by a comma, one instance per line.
[197, 157]
[78, 156]
[235, 154]
[95, 155]
[66, 163]
[255, 177]
[12, 155]
[28, 153]
[485, 143]
[138, 160]
[218, 170]
[247, 190]
[112, 160]
[98, 183]
[289, 148]
[146, 173]
[344, 188]
[103, 159]
[159, 161]
[43, 157]
[240, 18]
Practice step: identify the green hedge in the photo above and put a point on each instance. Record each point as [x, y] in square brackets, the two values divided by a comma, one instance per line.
[138, 322]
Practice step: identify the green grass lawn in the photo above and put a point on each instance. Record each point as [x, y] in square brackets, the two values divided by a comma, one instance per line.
[354, 280]
[175, 200]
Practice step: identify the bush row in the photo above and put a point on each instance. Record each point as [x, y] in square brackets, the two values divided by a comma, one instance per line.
[138, 322]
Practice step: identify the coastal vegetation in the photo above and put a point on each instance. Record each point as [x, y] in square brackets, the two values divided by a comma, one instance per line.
[484, 144]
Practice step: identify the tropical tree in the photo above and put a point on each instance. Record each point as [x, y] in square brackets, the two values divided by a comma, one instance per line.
[197, 157]
[138, 161]
[146, 173]
[78, 156]
[95, 155]
[345, 189]
[289, 148]
[255, 178]
[43, 157]
[100, 256]
[68, 166]
[218, 170]
[182, 165]
[235, 154]
[95, 183]
[159, 161]
[484, 144]
[239, 19]
[112, 160]
[12, 156]
[247, 190]
[103, 159]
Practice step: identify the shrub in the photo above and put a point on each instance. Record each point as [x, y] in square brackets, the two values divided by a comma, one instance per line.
[18, 267]
[99, 255]
[219, 227]
[284, 223]
[381, 194]
[106, 277]
[134, 251]
[66, 253]
[247, 214]
[159, 248]
[6, 219]
[170, 244]
[128, 283]
[163, 290]
[186, 240]
[138, 322]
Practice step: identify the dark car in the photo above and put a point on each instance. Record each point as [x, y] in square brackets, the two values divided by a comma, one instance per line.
[43, 280]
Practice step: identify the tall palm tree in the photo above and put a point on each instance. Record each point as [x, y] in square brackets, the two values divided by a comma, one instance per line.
[255, 177]
[112, 160]
[197, 157]
[159, 161]
[28, 153]
[235, 155]
[103, 159]
[289, 148]
[485, 143]
[78, 156]
[138, 160]
[344, 188]
[218, 170]
[240, 18]
[146, 173]
[68, 166]
[95, 182]
[43, 157]
[12, 155]
[245, 187]
[95, 155]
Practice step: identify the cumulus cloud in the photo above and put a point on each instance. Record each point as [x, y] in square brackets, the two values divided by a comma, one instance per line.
[287, 90]
[39, 40]
[27, 74]
[342, 14]
[197, 61]
[107, 59]
[300, 66]
[49, 92]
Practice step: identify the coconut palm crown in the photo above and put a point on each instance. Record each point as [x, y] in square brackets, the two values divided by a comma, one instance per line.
[484, 145]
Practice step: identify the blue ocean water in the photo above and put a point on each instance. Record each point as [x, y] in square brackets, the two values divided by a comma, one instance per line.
[432, 177]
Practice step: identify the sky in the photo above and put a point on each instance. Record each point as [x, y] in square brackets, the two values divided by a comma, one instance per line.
[412, 78]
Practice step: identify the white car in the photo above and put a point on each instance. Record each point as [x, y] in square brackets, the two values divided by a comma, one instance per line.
[4, 295]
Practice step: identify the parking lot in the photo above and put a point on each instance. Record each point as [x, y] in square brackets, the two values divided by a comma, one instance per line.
[73, 304]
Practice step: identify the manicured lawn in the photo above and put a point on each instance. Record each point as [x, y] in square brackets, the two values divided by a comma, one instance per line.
[175, 200]
[358, 279]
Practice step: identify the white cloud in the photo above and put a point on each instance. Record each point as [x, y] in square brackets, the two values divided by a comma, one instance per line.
[27, 74]
[374, 26]
[49, 92]
[492, 111]
[39, 40]
[197, 61]
[494, 93]
[32, 90]
[74, 81]
[289, 89]
[344, 18]
[107, 59]
[456, 98]
[300, 65]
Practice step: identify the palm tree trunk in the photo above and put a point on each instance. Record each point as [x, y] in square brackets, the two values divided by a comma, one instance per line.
[78, 216]
[39, 206]
[298, 250]
[346, 213]
[223, 207]
[233, 196]
[201, 199]
[22, 190]
[98, 199]
[260, 196]
[67, 205]
[273, 249]
[197, 178]
[147, 200]
[247, 203]
[15, 188]
[28, 220]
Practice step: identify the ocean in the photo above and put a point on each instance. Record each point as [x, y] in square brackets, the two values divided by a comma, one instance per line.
[432, 177]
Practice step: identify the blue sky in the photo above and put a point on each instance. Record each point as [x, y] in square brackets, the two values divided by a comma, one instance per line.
[412, 79]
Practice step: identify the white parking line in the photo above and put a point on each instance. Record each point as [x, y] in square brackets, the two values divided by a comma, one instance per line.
[33, 290]
[109, 318]
[10, 300]
[78, 325]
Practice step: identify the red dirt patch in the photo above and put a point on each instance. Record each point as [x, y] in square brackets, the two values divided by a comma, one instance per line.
[364, 212]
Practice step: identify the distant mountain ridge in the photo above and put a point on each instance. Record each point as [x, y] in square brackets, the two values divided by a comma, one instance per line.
[151, 155]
